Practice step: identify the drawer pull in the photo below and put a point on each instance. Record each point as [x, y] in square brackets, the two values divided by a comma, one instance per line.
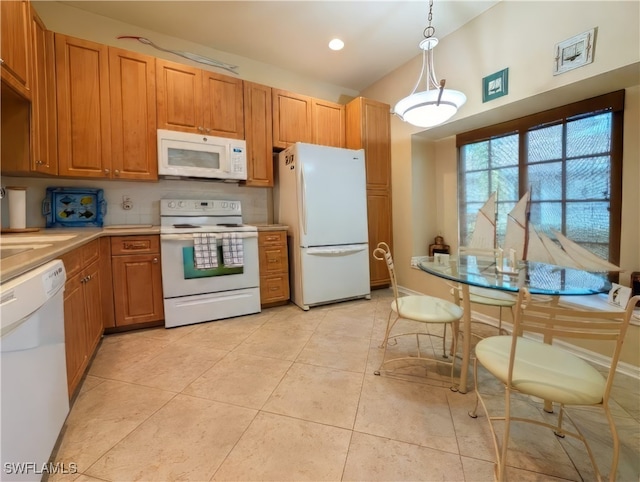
[134, 245]
[274, 288]
[274, 260]
[273, 238]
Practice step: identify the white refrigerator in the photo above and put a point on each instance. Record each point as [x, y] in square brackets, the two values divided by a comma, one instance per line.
[321, 195]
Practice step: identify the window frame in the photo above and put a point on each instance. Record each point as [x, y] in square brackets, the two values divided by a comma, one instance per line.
[612, 102]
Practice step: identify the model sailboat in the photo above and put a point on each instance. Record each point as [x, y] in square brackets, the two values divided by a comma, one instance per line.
[568, 253]
[516, 234]
[484, 232]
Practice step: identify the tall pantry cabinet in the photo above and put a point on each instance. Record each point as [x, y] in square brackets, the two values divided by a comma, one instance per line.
[368, 128]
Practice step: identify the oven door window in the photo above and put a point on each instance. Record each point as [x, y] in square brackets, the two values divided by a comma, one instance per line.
[190, 270]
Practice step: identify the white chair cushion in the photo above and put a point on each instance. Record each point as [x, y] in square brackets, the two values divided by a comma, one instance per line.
[427, 309]
[541, 370]
[486, 296]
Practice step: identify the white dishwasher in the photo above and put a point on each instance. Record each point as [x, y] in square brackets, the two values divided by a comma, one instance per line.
[33, 397]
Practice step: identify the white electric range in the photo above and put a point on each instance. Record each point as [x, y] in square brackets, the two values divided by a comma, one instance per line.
[228, 283]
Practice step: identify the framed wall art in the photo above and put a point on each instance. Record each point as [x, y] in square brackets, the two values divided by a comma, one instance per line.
[574, 52]
[495, 85]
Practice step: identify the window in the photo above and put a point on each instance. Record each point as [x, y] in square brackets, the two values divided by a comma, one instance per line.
[570, 158]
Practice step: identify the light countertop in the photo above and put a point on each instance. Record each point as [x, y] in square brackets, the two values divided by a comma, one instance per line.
[17, 264]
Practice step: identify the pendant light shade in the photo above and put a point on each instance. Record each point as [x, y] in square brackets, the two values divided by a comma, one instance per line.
[435, 104]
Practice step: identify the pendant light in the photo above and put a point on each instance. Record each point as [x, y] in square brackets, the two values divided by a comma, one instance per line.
[435, 104]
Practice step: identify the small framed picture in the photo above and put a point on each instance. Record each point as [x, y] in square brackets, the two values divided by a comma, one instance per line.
[619, 295]
[574, 52]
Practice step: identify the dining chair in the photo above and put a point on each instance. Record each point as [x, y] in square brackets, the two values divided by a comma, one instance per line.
[527, 362]
[484, 296]
[422, 309]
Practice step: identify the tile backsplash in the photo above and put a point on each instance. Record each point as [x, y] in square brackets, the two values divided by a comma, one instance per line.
[256, 202]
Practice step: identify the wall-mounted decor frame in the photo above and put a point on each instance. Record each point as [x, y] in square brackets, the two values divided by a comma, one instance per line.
[495, 85]
[574, 52]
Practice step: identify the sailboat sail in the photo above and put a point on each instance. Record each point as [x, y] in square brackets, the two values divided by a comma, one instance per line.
[536, 250]
[558, 255]
[484, 232]
[585, 258]
[516, 233]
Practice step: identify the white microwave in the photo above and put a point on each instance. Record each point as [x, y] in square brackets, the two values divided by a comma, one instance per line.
[197, 155]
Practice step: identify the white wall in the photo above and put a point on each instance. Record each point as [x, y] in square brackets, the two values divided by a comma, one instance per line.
[520, 36]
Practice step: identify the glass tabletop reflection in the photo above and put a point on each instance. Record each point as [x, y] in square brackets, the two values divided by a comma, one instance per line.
[539, 278]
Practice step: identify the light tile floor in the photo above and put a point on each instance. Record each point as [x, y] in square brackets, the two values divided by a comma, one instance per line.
[291, 395]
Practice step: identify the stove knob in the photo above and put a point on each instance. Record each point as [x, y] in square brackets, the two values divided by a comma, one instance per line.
[172, 204]
[182, 204]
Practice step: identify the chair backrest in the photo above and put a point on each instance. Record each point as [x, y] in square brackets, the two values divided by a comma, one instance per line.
[383, 253]
[551, 320]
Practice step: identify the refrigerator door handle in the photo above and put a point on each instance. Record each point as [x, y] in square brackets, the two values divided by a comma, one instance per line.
[303, 203]
[338, 250]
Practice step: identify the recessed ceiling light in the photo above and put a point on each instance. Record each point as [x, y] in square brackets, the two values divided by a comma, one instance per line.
[336, 44]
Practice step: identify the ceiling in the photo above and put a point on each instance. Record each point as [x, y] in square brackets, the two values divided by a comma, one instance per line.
[379, 36]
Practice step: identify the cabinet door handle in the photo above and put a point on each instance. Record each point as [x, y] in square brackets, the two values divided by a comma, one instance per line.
[116, 172]
[39, 163]
[107, 171]
[200, 129]
[155, 260]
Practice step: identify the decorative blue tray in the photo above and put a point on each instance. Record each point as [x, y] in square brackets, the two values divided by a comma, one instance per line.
[74, 207]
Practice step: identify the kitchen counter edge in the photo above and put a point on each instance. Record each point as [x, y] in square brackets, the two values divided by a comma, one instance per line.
[271, 227]
[22, 263]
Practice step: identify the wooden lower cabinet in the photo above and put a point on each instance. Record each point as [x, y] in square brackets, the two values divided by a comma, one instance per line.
[82, 310]
[379, 209]
[137, 275]
[274, 268]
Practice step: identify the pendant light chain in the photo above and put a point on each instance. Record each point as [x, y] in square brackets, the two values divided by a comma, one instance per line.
[429, 31]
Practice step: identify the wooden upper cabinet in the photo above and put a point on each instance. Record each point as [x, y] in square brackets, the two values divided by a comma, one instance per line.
[258, 132]
[134, 152]
[199, 101]
[328, 123]
[223, 105]
[292, 118]
[84, 126]
[368, 128]
[179, 89]
[44, 133]
[15, 45]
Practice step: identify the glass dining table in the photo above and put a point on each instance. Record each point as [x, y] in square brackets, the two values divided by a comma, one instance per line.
[482, 271]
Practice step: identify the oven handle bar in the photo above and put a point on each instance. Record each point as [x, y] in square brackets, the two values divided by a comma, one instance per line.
[189, 237]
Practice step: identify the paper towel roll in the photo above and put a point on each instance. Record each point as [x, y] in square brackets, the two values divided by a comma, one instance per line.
[17, 197]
